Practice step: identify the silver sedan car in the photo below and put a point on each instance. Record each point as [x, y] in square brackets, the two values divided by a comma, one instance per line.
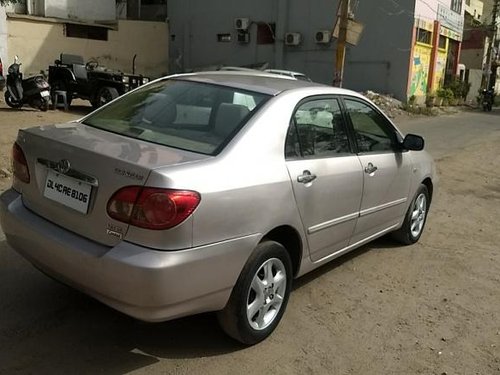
[213, 192]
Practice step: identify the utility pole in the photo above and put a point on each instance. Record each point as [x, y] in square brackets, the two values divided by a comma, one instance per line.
[341, 42]
[489, 54]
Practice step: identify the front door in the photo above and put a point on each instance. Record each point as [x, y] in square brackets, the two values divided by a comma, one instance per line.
[326, 175]
[386, 170]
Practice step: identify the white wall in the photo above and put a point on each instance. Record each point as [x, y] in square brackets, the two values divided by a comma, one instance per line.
[39, 43]
[440, 10]
[475, 9]
[36, 7]
[90, 10]
[3, 37]
[487, 15]
[475, 78]
[487, 9]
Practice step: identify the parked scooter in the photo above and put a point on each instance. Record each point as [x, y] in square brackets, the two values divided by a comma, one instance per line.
[34, 91]
[488, 96]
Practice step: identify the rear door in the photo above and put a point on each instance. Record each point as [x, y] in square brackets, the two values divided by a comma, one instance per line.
[386, 169]
[326, 175]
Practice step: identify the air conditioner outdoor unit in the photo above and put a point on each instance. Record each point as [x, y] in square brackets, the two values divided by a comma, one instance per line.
[241, 23]
[323, 37]
[293, 39]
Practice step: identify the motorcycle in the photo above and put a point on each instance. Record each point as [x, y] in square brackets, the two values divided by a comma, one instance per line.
[34, 91]
[488, 97]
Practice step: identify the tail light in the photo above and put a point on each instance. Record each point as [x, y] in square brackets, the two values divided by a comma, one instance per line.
[152, 208]
[19, 164]
[1, 68]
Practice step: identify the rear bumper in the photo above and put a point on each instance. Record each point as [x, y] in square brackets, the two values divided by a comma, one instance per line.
[147, 284]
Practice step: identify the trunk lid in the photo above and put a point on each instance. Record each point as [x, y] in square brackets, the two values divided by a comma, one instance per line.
[75, 169]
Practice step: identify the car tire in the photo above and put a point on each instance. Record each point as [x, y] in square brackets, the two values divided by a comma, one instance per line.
[105, 95]
[416, 216]
[11, 102]
[259, 298]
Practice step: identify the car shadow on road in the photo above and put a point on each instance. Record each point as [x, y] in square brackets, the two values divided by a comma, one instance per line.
[60, 330]
[80, 110]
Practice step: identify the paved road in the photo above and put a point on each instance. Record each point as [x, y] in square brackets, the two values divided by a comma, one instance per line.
[446, 134]
[47, 328]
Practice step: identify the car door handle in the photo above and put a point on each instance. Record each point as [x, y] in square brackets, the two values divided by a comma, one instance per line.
[370, 168]
[306, 177]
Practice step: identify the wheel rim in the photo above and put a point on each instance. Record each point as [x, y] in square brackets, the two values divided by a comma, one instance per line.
[418, 215]
[266, 294]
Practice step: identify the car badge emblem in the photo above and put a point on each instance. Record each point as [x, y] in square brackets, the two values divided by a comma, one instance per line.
[63, 166]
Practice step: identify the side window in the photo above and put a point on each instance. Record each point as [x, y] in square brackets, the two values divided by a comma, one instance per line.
[316, 129]
[372, 131]
[245, 100]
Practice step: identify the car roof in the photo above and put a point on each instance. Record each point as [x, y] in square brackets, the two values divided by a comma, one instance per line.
[237, 69]
[280, 71]
[261, 82]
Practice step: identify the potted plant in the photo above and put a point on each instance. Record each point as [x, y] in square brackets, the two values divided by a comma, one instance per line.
[430, 100]
[440, 94]
[449, 96]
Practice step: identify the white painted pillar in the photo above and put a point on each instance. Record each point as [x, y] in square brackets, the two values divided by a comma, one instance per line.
[3, 39]
[281, 29]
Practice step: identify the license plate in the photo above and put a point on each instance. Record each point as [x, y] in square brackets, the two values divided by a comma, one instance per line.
[45, 94]
[68, 191]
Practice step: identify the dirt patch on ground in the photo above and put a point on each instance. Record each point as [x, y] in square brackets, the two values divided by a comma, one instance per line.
[431, 308]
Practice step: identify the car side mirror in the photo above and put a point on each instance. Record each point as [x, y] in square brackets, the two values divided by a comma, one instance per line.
[57, 62]
[413, 142]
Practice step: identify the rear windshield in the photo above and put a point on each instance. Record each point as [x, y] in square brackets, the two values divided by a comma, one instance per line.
[192, 116]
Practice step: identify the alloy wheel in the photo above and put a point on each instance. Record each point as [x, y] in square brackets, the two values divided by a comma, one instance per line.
[418, 215]
[266, 294]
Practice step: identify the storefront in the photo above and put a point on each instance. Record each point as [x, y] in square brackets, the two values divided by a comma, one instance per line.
[435, 53]
[453, 42]
[421, 59]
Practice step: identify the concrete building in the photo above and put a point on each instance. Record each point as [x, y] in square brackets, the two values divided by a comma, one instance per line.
[102, 10]
[476, 41]
[494, 63]
[474, 8]
[407, 47]
[487, 16]
[42, 29]
[437, 44]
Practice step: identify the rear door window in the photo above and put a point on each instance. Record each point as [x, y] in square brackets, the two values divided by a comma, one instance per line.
[317, 130]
